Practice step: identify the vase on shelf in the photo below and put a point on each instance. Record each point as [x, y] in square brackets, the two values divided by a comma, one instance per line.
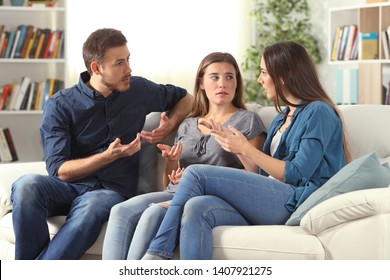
[17, 2]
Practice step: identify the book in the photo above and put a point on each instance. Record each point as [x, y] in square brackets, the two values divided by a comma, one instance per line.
[4, 45]
[350, 40]
[10, 43]
[5, 152]
[24, 83]
[29, 34]
[344, 38]
[35, 43]
[5, 96]
[15, 44]
[22, 38]
[2, 39]
[30, 46]
[14, 93]
[10, 143]
[385, 45]
[31, 96]
[368, 48]
[336, 42]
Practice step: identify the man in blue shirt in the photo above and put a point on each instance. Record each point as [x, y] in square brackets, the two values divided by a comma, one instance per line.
[91, 134]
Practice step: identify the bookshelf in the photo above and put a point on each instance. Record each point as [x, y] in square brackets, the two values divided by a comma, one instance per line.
[373, 73]
[24, 124]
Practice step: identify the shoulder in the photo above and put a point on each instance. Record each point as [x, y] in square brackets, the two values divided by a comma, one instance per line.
[320, 108]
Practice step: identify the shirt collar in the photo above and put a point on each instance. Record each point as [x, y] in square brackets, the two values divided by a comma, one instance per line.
[84, 79]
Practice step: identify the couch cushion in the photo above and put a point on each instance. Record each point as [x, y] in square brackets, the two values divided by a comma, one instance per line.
[345, 208]
[365, 172]
[265, 243]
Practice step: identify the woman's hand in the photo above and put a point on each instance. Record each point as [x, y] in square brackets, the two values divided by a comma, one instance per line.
[175, 175]
[231, 140]
[171, 153]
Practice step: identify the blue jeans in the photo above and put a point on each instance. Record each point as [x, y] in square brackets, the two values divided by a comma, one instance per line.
[37, 197]
[260, 201]
[132, 225]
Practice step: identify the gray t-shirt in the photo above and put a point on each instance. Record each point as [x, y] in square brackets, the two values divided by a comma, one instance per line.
[202, 148]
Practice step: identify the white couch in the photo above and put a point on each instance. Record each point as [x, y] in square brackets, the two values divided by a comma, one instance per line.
[361, 232]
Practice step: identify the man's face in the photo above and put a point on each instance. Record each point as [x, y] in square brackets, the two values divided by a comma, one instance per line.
[115, 71]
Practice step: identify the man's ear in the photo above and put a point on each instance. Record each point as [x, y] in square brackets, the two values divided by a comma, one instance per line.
[95, 67]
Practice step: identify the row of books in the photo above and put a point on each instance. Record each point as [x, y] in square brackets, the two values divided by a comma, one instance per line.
[350, 44]
[28, 94]
[7, 147]
[345, 43]
[386, 43]
[28, 41]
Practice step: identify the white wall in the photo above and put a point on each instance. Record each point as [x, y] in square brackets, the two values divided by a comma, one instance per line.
[167, 39]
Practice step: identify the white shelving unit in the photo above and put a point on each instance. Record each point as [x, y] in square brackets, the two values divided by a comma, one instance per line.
[24, 125]
[372, 72]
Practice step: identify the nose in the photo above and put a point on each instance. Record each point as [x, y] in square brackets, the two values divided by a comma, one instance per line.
[221, 82]
[260, 79]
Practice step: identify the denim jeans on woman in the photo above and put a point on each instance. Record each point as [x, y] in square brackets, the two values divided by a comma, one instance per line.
[132, 225]
[37, 197]
[259, 200]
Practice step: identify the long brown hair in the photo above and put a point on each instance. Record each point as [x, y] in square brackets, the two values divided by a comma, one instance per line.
[289, 65]
[201, 103]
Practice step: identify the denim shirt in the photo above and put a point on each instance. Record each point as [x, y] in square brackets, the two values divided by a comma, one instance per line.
[311, 146]
[79, 122]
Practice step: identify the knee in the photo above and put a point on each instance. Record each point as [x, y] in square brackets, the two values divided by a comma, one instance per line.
[26, 188]
[154, 214]
[195, 209]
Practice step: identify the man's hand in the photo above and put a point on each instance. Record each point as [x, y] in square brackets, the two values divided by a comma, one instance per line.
[118, 150]
[158, 134]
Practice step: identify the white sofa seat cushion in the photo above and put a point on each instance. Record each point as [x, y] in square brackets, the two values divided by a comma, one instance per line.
[277, 242]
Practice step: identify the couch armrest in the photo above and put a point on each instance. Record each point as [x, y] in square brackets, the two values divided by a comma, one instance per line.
[346, 207]
[9, 173]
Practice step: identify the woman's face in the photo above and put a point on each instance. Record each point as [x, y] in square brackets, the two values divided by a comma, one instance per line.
[266, 81]
[220, 83]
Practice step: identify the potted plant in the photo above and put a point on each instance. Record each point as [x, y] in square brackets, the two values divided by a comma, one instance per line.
[276, 20]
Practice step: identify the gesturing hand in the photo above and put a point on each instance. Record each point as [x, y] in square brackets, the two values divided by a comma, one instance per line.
[158, 134]
[119, 150]
[175, 175]
[232, 141]
[171, 153]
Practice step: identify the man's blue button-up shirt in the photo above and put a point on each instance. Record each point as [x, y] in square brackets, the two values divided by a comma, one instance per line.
[79, 122]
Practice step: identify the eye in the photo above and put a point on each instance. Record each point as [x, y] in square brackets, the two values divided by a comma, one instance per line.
[263, 72]
[230, 77]
[214, 77]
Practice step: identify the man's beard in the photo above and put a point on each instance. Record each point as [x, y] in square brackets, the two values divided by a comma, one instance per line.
[115, 87]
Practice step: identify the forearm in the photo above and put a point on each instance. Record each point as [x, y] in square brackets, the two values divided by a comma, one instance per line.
[272, 166]
[169, 166]
[77, 169]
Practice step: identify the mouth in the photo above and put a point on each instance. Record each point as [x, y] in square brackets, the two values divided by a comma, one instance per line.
[222, 93]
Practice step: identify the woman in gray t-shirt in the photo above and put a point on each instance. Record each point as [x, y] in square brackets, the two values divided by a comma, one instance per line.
[218, 103]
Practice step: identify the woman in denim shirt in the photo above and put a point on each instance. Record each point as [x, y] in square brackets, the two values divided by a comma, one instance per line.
[305, 146]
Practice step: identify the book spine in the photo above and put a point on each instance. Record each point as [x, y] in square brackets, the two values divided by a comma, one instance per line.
[4, 149]
[10, 143]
